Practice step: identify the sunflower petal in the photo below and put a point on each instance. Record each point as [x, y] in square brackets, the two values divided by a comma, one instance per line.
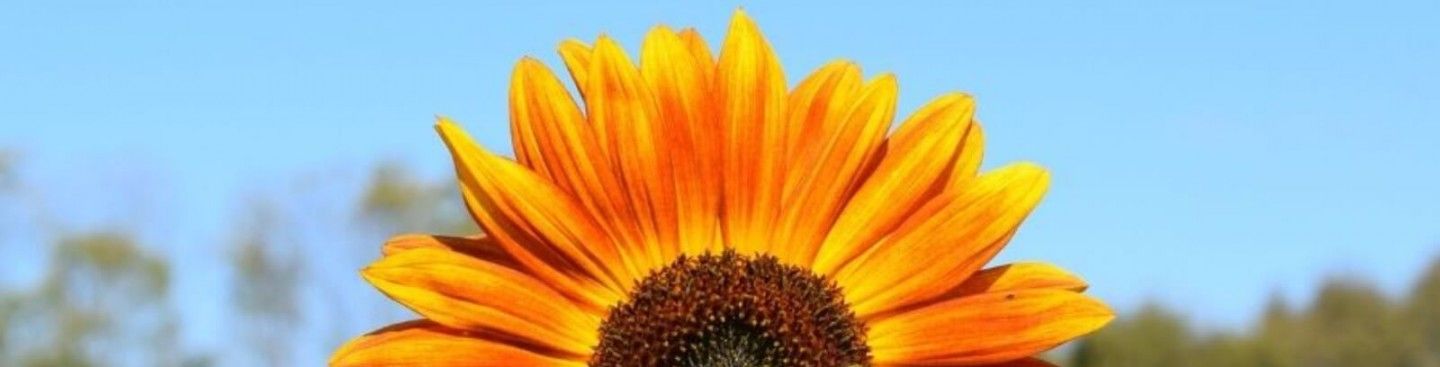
[986, 328]
[844, 141]
[1018, 276]
[567, 151]
[537, 223]
[622, 108]
[548, 132]
[682, 91]
[751, 96]
[577, 55]
[967, 157]
[903, 180]
[1023, 362]
[425, 343]
[700, 50]
[466, 293]
[479, 247]
[944, 242]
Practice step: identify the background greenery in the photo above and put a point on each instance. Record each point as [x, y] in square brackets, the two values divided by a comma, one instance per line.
[104, 297]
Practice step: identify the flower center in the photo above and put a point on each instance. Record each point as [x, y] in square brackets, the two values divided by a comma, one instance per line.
[732, 310]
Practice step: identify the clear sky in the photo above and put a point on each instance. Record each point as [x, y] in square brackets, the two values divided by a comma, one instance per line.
[1204, 155]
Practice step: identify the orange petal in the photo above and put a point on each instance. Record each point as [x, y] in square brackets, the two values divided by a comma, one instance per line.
[1017, 276]
[480, 247]
[623, 110]
[831, 160]
[909, 174]
[466, 293]
[548, 132]
[751, 97]
[1023, 362]
[572, 154]
[537, 223]
[985, 328]
[424, 343]
[682, 92]
[818, 105]
[944, 242]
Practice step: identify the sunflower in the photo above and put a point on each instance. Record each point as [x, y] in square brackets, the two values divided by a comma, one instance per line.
[693, 212]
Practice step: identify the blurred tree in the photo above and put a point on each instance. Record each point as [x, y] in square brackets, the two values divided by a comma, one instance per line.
[1152, 336]
[266, 286]
[396, 201]
[103, 302]
[1275, 344]
[1350, 324]
[1422, 315]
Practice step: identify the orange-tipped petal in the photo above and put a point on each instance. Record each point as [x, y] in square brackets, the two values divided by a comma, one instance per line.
[681, 86]
[915, 168]
[623, 110]
[986, 328]
[467, 293]
[537, 223]
[577, 56]
[944, 242]
[751, 97]
[1023, 362]
[831, 159]
[1018, 276]
[479, 247]
[423, 343]
[700, 50]
[547, 130]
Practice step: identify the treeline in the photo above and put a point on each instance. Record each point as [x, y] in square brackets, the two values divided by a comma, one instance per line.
[1348, 323]
[105, 298]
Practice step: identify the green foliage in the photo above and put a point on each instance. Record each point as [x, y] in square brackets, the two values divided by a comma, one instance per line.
[1348, 323]
[397, 201]
[102, 302]
[265, 288]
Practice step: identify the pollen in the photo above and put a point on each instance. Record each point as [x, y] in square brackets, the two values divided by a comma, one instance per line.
[732, 310]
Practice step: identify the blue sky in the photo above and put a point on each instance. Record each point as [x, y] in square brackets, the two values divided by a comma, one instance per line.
[1203, 154]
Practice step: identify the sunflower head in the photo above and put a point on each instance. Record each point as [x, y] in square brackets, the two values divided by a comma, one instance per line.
[695, 211]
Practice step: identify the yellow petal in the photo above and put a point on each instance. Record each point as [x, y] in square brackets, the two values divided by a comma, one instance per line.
[985, 328]
[423, 343]
[944, 242]
[832, 158]
[700, 50]
[480, 247]
[1017, 276]
[577, 55]
[682, 91]
[537, 223]
[751, 97]
[913, 170]
[967, 156]
[466, 293]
